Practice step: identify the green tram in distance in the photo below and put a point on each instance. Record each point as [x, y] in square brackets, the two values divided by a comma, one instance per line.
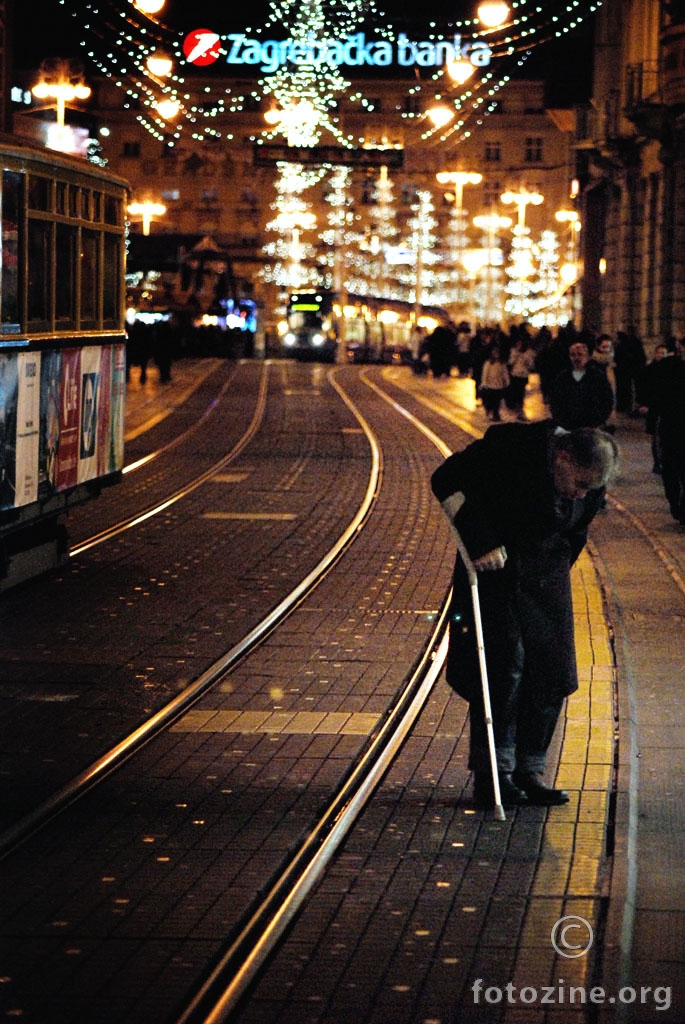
[326, 326]
[62, 348]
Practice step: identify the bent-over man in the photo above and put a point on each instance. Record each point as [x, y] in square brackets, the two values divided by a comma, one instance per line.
[521, 498]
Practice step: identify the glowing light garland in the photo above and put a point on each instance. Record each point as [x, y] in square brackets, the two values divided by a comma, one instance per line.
[119, 43]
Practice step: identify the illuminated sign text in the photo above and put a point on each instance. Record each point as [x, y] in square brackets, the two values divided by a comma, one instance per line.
[353, 51]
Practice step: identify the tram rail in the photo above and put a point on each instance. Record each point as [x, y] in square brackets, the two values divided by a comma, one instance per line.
[253, 941]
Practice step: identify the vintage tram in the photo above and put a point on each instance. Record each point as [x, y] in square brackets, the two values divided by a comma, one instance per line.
[62, 347]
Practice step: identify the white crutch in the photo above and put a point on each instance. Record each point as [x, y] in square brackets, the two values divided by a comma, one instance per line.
[451, 507]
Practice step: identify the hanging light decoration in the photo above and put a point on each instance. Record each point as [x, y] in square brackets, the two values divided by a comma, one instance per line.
[460, 70]
[149, 6]
[440, 115]
[493, 13]
[160, 64]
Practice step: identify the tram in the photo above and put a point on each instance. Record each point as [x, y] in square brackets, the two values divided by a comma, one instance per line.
[62, 348]
[324, 325]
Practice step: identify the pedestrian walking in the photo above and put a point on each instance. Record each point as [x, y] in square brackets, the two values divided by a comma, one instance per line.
[669, 407]
[521, 365]
[494, 382]
[521, 499]
[646, 398]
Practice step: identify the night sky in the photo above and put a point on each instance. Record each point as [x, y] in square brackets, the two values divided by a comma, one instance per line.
[45, 28]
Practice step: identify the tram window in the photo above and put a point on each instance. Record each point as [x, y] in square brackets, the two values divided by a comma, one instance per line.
[39, 262]
[89, 277]
[11, 204]
[39, 193]
[112, 210]
[60, 197]
[74, 204]
[111, 276]
[65, 276]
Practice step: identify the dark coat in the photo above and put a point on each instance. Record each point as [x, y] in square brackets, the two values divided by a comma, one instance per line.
[526, 607]
[581, 403]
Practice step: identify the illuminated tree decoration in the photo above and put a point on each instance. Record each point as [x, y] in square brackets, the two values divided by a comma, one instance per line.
[291, 256]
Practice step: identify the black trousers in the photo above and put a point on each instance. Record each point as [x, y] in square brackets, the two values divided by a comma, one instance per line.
[523, 730]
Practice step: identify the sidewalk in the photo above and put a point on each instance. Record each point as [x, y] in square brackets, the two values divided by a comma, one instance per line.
[148, 404]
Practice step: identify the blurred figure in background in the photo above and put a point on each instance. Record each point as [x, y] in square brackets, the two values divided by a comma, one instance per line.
[668, 403]
[581, 396]
[646, 398]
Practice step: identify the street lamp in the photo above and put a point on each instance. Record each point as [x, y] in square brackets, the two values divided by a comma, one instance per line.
[61, 81]
[521, 200]
[473, 261]
[569, 270]
[146, 211]
[521, 268]
[490, 224]
[459, 180]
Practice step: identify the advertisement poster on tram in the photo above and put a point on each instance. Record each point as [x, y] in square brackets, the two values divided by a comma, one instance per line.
[66, 462]
[28, 428]
[90, 396]
[111, 409]
[50, 376]
[9, 391]
[61, 420]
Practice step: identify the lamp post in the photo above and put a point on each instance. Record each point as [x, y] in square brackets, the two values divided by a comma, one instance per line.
[522, 200]
[521, 268]
[459, 180]
[569, 270]
[146, 211]
[61, 81]
[473, 261]
[490, 224]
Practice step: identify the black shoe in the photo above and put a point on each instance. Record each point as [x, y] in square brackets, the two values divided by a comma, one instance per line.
[483, 794]
[538, 792]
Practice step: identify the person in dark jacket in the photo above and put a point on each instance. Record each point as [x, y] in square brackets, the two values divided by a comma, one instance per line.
[521, 498]
[668, 404]
[581, 396]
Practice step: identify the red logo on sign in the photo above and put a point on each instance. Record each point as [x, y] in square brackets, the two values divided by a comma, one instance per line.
[202, 47]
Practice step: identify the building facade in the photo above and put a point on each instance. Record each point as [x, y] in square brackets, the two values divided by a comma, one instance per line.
[631, 158]
[230, 187]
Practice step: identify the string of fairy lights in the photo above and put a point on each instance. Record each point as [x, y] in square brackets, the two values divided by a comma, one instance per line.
[143, 55]
[129, 43]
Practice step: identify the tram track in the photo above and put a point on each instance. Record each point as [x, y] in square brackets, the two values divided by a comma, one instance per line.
[195, 427]
[115, 529]
[251, 943]
[122, 751]
[298, 875]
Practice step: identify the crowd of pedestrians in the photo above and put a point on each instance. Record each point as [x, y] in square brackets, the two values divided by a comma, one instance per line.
[586, 379]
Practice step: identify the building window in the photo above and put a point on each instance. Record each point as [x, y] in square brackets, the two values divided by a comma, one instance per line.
[171, 195]
[533, 150]
[492, 190]
[369, 196]
[493, 152]
[131, 149]
[409, 196]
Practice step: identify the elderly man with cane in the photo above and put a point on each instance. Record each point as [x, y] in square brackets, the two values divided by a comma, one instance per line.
[520, 499]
